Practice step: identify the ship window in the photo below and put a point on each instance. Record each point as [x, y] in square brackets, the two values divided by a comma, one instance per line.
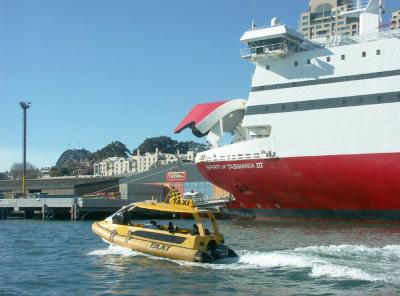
[343, 57]
[379, 98]
[378, 52]
[308, 61]
[364, 54]
[328, 59]
[267, 67]
[296, 63]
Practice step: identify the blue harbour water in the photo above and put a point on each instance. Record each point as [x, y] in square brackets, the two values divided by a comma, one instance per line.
[65, 258]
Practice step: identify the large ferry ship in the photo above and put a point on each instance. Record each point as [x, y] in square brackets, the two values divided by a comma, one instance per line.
[319, 136]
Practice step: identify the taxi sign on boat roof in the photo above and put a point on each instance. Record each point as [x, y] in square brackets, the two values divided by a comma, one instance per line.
[174, 206]
[174, 203]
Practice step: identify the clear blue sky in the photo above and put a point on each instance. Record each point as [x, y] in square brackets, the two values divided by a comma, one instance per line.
[103, 70]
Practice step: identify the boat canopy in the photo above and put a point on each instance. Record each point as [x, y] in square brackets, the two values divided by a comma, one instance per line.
[185, 206]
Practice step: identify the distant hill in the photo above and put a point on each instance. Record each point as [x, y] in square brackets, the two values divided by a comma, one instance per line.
[81, 161]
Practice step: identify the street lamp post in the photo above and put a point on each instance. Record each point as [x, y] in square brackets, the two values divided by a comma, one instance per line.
[24, 105]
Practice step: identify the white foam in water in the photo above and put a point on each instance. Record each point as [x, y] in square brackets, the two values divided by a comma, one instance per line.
[114, 250]
[272, 260]
[336, 261]
[335, 271]
[388, 253]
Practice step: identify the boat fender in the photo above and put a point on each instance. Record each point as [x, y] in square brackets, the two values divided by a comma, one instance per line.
[203, 257]
[112, 234]
[128, 237]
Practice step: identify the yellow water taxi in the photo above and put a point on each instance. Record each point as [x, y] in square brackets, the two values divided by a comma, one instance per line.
[197, 244]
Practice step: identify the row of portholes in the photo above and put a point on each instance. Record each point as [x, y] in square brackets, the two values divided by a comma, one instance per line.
[325, 104]
[322, 104]
[328, 59]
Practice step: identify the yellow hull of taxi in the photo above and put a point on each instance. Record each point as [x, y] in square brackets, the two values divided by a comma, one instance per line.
[152, 242]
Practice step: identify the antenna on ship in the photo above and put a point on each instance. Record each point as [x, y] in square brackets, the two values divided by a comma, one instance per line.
[253, 23]
[381, 12]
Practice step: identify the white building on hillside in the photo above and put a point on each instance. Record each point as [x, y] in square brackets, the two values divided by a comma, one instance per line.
[114, 166]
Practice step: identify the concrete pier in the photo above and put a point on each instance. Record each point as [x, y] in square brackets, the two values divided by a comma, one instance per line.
[75, 208]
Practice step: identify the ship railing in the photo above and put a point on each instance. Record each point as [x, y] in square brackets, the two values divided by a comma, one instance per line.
[241, 156]
[341, 40]
[266, 50]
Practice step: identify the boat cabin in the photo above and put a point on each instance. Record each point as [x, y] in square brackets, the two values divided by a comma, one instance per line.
[198, 229]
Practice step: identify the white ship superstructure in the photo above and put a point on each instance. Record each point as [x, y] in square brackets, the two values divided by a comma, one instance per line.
[320, 134]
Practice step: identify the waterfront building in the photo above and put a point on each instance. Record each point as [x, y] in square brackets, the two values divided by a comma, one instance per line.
[61, 186]
[44, 172]
[114, 166]
[146, 161]
[323, 19]
[184, 176]
[395, 20]
[189, 156]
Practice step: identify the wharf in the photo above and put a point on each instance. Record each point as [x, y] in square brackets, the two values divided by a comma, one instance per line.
[73, 207]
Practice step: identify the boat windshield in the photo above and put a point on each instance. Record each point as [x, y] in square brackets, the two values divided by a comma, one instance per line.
[194, 224]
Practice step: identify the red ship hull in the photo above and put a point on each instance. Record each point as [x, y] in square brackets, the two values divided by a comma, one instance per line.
[346, 186]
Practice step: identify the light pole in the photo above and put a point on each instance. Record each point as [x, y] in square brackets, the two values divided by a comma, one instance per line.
[24, 105]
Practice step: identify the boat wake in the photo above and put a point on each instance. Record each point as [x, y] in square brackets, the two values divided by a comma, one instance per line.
[115, 250]
[346, 262]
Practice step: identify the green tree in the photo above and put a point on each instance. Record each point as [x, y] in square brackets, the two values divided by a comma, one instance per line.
[60, 171]
[168, 145]
[3, 176]
[184, 147]
[32, 172]
[114, 149]
[163, 143]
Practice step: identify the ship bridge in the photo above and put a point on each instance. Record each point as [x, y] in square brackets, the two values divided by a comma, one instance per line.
[215, 119]
[272, 42]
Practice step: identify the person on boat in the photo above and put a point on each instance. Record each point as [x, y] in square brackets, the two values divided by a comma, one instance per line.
[151, 225]
[195, 230]
[171, 227]
[121, 218]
